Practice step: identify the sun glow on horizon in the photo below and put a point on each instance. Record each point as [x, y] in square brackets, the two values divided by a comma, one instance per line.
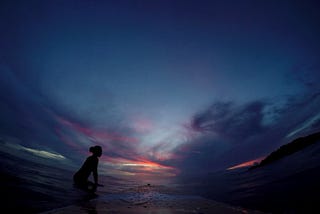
[139, 167]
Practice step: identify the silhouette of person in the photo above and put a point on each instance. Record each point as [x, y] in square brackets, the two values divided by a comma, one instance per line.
[80, 178]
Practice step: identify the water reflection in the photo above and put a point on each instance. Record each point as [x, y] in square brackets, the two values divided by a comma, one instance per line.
[90, 207]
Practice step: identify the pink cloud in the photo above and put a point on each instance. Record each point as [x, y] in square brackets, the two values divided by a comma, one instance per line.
[98, 135]
[118, 150]
[142, 125]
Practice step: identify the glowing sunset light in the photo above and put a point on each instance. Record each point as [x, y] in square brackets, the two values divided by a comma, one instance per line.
[148, 166]
[246, 164]
[120, 157]
[135, 163]
[139, 167]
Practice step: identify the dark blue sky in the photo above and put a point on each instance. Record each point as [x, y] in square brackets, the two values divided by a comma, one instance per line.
[193, 85]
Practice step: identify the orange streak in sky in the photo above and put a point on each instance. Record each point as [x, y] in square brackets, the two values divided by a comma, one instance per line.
[246, 164]
[141, 166]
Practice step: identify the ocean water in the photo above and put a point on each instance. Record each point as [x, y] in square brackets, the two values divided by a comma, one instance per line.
[34, 187]
[290, 185]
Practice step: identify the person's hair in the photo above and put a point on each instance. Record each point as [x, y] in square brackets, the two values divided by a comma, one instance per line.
[95, 149]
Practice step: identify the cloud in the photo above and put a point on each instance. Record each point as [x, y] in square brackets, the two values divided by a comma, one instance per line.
[223, 135]
[24, 115]
[231, 121]
[307, 74]
[231, 133]
[121, 154]
[13, 147]
[45, 128]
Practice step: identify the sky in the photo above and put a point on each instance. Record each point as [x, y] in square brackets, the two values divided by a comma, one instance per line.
[167, 88]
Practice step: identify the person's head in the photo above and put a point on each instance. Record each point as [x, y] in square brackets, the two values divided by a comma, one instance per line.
[96, 150]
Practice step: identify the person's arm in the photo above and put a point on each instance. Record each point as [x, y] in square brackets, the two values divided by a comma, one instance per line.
[95, 173]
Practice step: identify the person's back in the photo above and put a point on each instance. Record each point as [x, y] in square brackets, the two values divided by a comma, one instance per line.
[81, 177]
